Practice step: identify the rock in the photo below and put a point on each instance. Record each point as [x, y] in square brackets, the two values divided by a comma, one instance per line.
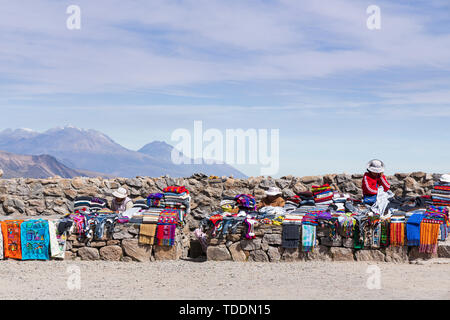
[444, 249]
[237, 253]
[418, 175]
[87, 253]
[113, 242]
[272, 239]
[410, 184]
[78, 183]
[134, 183]
[348, 243]
[258, 256]
[122, 234]
[97, 244]
[292, 254]
[310, 179]
[136, 251]
[341, 254]
[274, 254]
[163, 253]
[414, 254]
[68, 255]
[369, 255]
[319, 253]
[111, 253]
[219, 253]
[326, 241]
[127, 259]
[250, 244]
[1, 173]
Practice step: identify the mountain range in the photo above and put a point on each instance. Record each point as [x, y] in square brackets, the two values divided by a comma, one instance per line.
[90, 152]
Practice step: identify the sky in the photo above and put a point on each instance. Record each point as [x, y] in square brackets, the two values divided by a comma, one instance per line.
[339, 93]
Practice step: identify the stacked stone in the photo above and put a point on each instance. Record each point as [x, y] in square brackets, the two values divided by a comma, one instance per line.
[266, 247]
[55, 196]
[123, 245]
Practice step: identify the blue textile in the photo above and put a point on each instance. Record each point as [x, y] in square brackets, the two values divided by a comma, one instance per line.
[35, 239]
[413, 229]
[370, 199]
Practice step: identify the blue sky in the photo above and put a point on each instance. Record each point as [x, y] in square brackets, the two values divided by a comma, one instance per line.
[339, 93]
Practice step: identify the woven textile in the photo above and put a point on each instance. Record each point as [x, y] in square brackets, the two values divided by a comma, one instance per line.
[11, 239]
[397, 234]
[308, 237]
[35, 239]
[290, 236]
[175, 189]
[413, 229]
[147, 233]
[429, 233]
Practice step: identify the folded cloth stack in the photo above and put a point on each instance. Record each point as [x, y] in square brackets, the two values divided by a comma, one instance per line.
[322, 194]
[441, 194]
[293, 219]
[307, 198]
[155, 200]
[229, 204]
[339, 200]
[166, 227]
[141, 204]
[292, 203]
[271, 211]
[89, 204]
[245, 201]
[397, 231]
[178, 198]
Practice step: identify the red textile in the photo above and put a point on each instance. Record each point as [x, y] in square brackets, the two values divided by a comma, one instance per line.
[370, 184]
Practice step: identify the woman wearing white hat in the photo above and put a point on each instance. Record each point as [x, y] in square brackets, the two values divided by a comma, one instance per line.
[373, 178]
[273, 199]
[121, 202]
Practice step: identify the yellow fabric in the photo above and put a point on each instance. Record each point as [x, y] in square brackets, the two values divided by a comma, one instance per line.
[147, 233]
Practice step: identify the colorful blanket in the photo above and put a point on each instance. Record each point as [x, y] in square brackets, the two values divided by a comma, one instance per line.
[57, 240]
[35, 239]
[175, 189]
[308, 237]
[413, 229]
[147, 234]
[11, 239]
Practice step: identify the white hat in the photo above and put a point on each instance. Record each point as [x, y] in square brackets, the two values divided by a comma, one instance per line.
[273, 191]
[376, 166]
[445, 178]
[120, 193]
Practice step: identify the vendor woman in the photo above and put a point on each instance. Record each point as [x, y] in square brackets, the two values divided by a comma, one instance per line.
[121, 202]
[273, 199]
[373, 178]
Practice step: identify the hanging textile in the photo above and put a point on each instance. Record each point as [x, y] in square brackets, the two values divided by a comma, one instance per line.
[397, 231]
[429, 233]
[147, 233]
[308, 237]
[57, 240]
[11, 239]
[35, 239]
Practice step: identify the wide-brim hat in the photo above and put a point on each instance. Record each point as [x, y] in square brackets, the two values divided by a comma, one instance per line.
[120, 193]
[273, 191]
[445, 178]
[375, 166]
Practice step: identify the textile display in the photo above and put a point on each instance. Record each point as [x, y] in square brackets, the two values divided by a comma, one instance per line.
[308, 237]
[35, 239]
[57, 240]
[147, 234]
[11, 239]
[397, 231]
[290, 236]
[413, 229]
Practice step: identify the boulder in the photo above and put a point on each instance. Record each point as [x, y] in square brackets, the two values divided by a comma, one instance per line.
[250, 244]
[237, 253]
[319, 253]
[166, 253]
[341, 254]
[111, 253]
[414, 254]
[87, 253]
[444, 249]
[274, 254]
[369, 255]
[219, 253]
[258, 256]
[136, 251]
[272, 238]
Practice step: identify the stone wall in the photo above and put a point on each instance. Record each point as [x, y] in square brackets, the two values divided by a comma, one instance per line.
[266, 247]
[123, 245]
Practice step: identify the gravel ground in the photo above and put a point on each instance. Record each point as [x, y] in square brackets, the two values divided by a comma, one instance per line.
[220, 280]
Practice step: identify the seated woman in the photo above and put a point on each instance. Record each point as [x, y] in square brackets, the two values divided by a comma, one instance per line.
[121, 202]
[272, 199]
[372, 179]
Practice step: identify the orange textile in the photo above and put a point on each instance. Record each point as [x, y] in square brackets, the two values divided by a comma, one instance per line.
[11, 238]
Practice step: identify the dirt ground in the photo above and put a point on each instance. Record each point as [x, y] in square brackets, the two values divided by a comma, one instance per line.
[221, 280]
